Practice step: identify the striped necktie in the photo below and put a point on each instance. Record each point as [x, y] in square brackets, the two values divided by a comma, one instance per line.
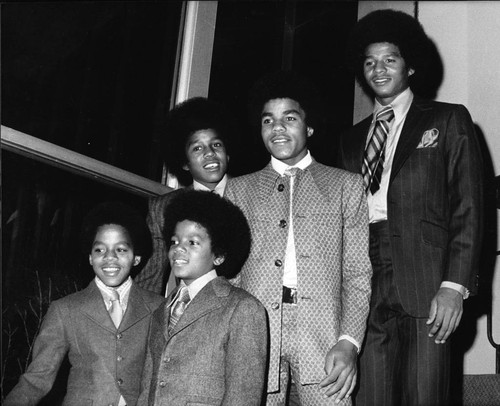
[179, 307]
[373, 160]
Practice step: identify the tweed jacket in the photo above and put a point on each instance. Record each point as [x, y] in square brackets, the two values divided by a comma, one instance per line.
[215, 355]
[434, 201]
[154, 275]
[330, 224]
[106, 361]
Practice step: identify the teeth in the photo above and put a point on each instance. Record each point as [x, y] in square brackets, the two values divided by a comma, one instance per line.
[110, 269]
[180, 261]
[211, 166]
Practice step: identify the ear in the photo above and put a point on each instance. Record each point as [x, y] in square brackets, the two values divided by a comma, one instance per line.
[185, 167]
[137, 260]
[219, 260]
[310, 131]
[411, 71]
[90, 260]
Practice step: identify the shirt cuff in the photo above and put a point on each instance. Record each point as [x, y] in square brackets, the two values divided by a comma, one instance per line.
[456, 286]
[351, 340]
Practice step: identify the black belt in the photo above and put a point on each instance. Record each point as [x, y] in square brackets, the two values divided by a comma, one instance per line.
[289, 295]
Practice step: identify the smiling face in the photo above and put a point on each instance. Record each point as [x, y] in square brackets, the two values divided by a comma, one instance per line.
[112, 255]
[190, 252]
[206, 158]
[385, 71]
[284, 130]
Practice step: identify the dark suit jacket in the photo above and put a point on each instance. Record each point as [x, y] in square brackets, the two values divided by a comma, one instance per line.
[330, 224]
[105, 361]
[434, 200]
[154, 275]
[215, 355]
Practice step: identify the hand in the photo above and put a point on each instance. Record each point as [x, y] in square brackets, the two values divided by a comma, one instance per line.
[445, 314]
[341, 370]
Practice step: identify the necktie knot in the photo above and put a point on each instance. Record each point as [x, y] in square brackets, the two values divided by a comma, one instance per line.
[291, 171]
[386, 114]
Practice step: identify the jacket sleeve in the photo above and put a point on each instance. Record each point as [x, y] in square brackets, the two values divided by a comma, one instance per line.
[246, 355]
[356, 266]
[49, 350]
[465, 194]
[153, 276]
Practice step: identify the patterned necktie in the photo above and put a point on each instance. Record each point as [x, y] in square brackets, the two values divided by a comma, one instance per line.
[178, 308]
[373, 161]
[116, 310]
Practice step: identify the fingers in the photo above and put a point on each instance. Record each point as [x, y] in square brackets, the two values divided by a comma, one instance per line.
[339, 384]
[445, 315]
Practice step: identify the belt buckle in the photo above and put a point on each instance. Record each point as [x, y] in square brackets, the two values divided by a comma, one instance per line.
[289, 295]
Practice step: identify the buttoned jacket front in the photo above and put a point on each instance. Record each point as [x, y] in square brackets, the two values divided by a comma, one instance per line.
[215, 355]
[330, 224]
[106, 361]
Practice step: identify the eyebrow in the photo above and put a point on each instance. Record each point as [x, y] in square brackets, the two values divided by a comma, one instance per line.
[286, 112]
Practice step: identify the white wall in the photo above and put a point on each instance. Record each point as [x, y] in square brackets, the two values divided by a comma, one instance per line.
[467, 34]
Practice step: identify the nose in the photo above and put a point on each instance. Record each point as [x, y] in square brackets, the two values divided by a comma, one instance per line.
[178, 248]
[110, 254]
[379, 66]
[209, 151]
[278, 126]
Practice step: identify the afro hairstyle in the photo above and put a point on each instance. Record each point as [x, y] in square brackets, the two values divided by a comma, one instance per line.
[184, 120]
[224, 222]
[397, 28]
[285, 84]
[120, 214]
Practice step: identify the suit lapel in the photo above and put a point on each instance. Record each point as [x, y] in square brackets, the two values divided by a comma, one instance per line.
[415, 124]
[206, 301]
[95, 309]
[268, 178]
[136, 309]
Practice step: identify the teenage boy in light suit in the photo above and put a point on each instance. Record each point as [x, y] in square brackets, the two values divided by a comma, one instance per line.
[425, 216]
[309, 261]
[106, 354]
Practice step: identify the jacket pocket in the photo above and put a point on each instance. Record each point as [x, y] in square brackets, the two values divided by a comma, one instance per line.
[434, 234]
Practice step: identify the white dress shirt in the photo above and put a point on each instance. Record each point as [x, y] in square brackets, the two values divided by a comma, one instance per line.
[219, 188]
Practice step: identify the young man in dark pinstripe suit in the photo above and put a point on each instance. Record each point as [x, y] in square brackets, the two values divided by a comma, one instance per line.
[425, 215]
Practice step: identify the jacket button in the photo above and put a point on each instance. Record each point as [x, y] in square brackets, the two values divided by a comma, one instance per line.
[166, 359]
[278, 262]
[163, 384]
[282, 223]
[281, 187]
[275, 306]
[119, 358]
[119, 336]
[119, 382]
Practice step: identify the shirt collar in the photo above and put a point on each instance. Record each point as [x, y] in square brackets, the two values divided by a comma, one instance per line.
[197, 285]
[219, 188]
[281, 167]
[122, 290]
[400, 105]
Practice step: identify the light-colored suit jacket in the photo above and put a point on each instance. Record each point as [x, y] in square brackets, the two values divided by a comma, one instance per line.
[434, 201]
[106, 361]
[215, 355]
[330, 224]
